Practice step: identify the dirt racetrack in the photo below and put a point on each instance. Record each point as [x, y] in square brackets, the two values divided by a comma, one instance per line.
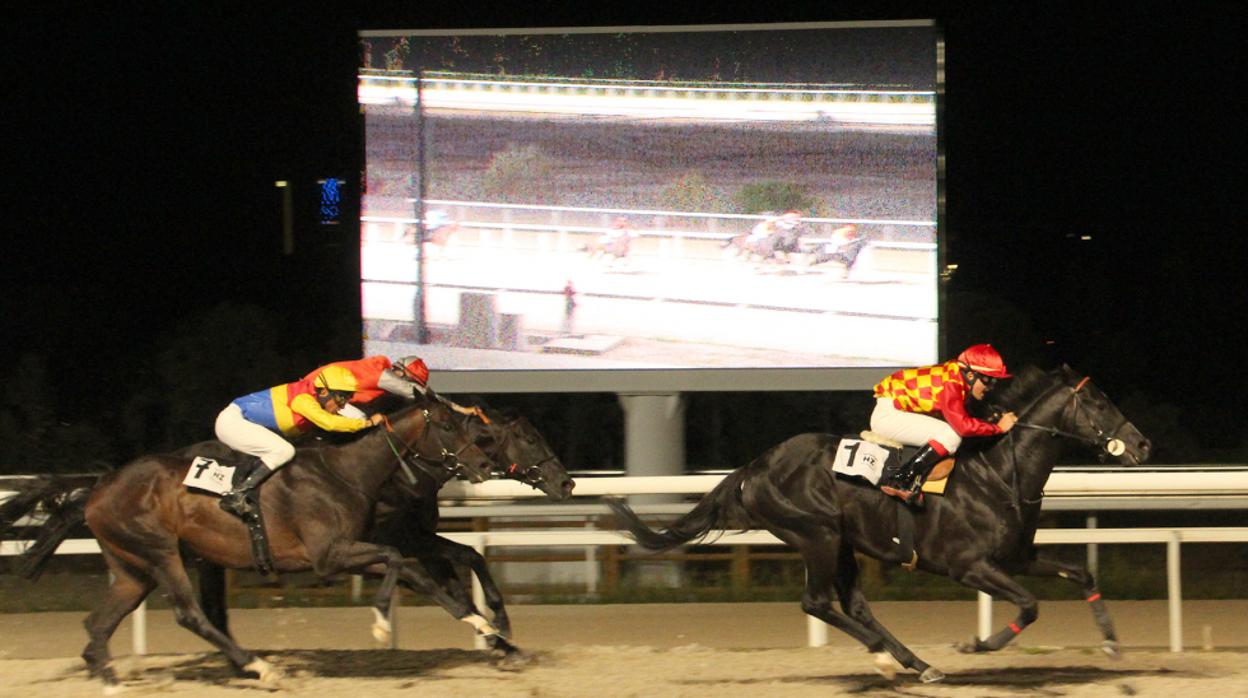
[650, 650]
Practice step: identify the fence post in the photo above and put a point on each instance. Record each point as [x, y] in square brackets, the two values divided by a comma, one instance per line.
[138, 629]
[1174, 591]
[985, 614]
[740, 568]
[1093, 551]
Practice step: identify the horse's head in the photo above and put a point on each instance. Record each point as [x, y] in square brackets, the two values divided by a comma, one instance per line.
[1073, 407]
[1098, 420]
[438, 444]
[529, 459]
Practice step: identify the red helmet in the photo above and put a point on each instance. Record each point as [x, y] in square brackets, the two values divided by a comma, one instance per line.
[414, 368]
[982, 358]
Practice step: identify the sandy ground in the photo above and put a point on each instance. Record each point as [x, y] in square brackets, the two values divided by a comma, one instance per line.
[647, 650]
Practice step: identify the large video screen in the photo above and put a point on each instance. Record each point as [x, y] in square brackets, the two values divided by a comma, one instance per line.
[652, 208]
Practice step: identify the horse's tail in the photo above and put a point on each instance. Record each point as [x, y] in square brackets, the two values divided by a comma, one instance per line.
[710, 510]
[64, 503]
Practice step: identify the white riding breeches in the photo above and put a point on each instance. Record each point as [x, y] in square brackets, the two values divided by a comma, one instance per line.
[235, 431]
[911, 428]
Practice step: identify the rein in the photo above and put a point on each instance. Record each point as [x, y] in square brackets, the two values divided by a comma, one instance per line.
[1108, 444]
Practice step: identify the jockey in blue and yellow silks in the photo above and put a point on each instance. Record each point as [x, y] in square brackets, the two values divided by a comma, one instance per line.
[255, 424]
[926, 407]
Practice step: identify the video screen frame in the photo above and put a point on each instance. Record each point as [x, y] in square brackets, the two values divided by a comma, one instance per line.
[488, 326]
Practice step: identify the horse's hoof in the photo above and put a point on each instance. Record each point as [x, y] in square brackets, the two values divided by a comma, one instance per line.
[112, 689]
[932, 675]
[972, 647]
[1110, 648]
[885, 665]
[513, 659]
[265, 672]
[382, 630]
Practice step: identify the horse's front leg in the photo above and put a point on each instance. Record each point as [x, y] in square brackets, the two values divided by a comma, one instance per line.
[990, 579]
[415, 576]
[464, 561]
[381, 560]
[1082, 577]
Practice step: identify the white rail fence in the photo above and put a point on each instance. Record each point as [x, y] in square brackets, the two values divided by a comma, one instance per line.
[1227, 488]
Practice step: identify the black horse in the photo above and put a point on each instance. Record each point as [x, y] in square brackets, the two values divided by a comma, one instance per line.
[980, 532]
[317, 510]
[407, 518]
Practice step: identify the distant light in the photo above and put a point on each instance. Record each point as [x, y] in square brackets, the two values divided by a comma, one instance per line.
[281, 183]
[951, 267]
[1085, 237]
[1050, 341]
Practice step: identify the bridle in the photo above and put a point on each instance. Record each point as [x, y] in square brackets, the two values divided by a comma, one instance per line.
[1106, 441]
[532, 475]
[441, 468]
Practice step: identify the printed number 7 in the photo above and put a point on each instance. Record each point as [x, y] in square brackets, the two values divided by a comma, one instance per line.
[852, 448]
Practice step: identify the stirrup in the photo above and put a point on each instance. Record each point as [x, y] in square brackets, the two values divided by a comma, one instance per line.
[238, 504]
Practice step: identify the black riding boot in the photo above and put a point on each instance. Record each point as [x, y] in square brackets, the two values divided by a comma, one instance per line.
[909, 480]
[238, 501]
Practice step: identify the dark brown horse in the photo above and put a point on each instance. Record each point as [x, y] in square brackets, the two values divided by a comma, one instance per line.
[407, 519]
[980, 532]
[317, 510]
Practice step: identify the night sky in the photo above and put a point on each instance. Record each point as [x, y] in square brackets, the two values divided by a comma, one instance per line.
[146, 146]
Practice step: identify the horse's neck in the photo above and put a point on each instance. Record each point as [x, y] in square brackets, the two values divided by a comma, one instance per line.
[366, 463]
[1033, 452]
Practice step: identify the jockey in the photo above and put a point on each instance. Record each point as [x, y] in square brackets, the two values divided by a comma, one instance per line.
[407, 378]
[256, 424]
[926, 407]
[764, 228]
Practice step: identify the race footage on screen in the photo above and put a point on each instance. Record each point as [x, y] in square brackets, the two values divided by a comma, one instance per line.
[658, 198]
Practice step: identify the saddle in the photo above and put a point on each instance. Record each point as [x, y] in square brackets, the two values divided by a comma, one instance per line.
[875, 459]
[218, 475]
[876, 466]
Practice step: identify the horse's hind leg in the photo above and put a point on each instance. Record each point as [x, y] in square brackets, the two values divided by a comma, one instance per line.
[128, 589]
[1082, 577]
[854, 603]
[212, 595]
[171, 576]
[820, 554]
[990, 579]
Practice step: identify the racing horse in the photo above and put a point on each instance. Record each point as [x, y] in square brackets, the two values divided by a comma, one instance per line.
[407, 518]
[980, 533]
[775, 246]
[317, 509]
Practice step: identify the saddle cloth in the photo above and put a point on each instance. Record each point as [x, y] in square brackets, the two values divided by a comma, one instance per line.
[211, 475]
[874, 458]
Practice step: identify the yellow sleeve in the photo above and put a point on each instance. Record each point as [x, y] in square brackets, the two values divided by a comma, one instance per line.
[308, 407]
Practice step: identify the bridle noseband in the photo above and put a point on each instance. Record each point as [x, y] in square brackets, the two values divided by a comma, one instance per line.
[1106, 442]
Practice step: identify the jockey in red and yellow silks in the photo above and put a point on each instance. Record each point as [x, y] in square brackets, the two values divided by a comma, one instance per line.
[255, 424]
[376, 376]
[926, 407]
[938, 390]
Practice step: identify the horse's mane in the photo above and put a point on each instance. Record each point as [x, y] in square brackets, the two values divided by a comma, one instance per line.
[1020, 392]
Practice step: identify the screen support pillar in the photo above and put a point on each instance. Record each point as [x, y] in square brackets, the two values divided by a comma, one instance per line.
[654, 444]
